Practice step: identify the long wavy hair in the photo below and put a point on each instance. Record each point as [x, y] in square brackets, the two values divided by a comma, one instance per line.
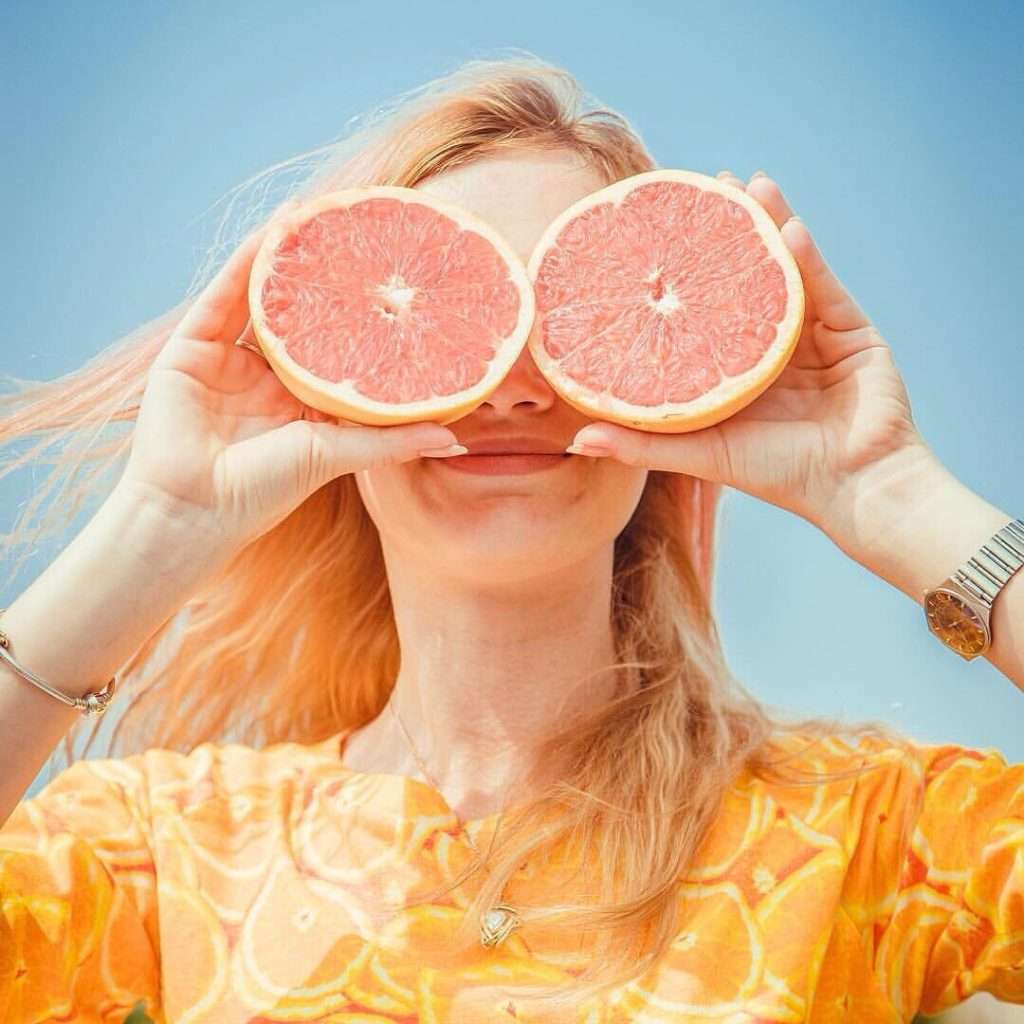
[646, 772]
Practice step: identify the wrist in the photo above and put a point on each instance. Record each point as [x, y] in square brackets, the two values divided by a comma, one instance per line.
[104, 595]
[910, 521]
[175, 528]
[83, 617]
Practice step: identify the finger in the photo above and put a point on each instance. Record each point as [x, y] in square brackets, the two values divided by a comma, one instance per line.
[309, 413]
[701, 453]
[732, 179]
[221, 308]
[303, 455]
[769, 195]
[247, 339]
[833, 305]
[221, 312]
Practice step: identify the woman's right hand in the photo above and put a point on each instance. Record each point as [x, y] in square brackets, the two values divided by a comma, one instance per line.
[219, 437]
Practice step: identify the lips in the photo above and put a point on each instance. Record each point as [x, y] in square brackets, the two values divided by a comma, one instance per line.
[514, 446]
[507, 464]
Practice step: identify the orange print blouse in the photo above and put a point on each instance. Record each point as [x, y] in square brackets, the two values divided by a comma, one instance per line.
[234, 884]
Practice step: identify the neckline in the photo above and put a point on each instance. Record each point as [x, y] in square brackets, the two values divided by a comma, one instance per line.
[333, 750]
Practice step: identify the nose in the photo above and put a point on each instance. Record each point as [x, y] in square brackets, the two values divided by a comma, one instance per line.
[523, 385]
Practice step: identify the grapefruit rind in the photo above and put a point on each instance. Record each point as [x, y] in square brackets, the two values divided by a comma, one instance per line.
[734, 392]
[340, 398]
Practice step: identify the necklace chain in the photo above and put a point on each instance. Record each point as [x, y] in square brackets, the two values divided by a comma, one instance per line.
[498, 922]
[426, 774]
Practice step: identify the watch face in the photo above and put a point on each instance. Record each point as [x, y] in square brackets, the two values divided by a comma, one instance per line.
[955, 622]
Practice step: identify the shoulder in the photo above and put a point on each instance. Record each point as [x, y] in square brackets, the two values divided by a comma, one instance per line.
[872, 790]
[223, 770]
[873, 758]
[932, 885]
[160, 781]
[902, 808]
[935, 778]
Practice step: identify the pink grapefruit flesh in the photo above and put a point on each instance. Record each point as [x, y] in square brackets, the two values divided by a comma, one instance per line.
[666, 302]
[385, 305]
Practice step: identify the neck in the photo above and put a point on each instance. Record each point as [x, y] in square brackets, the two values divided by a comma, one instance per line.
[485, 676]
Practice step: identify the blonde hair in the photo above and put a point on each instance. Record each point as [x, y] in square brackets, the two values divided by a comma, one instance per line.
[646, 772]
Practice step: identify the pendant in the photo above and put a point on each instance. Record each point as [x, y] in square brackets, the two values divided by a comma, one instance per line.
[497, 924]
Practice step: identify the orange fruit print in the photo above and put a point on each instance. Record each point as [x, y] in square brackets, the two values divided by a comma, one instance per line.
[233, 884]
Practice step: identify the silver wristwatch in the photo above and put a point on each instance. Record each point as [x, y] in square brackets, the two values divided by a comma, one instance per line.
[959, 609]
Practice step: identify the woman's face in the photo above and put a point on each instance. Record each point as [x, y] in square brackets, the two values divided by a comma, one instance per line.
[498, 528]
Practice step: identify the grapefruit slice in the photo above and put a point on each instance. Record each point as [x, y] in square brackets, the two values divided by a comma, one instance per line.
[665, 302]
[385, 305]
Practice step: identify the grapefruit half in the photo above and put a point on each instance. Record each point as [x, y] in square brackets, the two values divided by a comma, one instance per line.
[385, 305]
[665, 302]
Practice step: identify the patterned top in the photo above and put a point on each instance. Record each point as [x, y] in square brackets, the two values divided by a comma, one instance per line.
[235, 884]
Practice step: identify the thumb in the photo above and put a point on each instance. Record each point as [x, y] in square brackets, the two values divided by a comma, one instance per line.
[303, 455]
[701, 453]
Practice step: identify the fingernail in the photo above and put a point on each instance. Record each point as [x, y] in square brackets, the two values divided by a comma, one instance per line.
[591, 441]
[441, 453]
[759, 174]
[588, 449]
[434, 435]
[595, 437]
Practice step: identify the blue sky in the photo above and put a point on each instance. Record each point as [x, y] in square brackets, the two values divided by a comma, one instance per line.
[895, 132]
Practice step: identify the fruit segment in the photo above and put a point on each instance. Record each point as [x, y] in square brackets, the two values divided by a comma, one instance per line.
[666, 301]
[385, 305]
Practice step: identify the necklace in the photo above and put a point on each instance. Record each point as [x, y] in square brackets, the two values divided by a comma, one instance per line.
[497, 923]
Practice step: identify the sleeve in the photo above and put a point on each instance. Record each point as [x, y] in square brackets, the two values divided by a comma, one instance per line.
[78, 928]
[950, 921]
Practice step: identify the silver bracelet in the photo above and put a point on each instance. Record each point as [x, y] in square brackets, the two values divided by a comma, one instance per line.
[94, 703]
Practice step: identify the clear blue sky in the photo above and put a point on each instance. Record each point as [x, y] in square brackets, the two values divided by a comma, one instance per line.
[894, 130]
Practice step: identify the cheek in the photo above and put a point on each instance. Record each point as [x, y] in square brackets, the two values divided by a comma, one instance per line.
[620, 488]
[373, 489]
[396, 499]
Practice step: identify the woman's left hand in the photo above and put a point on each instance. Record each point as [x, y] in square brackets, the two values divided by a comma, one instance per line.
[827, 424]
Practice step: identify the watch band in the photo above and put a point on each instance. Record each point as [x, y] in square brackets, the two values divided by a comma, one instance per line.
[958, 610]
[1004, 555]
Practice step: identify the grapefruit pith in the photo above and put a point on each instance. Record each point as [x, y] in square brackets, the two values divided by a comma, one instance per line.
[666, 301]
[385, 305]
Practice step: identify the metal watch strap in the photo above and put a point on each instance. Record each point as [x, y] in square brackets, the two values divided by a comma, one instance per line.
[987, 572]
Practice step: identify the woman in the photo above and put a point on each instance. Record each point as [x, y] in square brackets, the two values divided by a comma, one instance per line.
[486, 743]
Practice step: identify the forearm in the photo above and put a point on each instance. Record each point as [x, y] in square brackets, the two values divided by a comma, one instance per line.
[912, 523]
[104, 595]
